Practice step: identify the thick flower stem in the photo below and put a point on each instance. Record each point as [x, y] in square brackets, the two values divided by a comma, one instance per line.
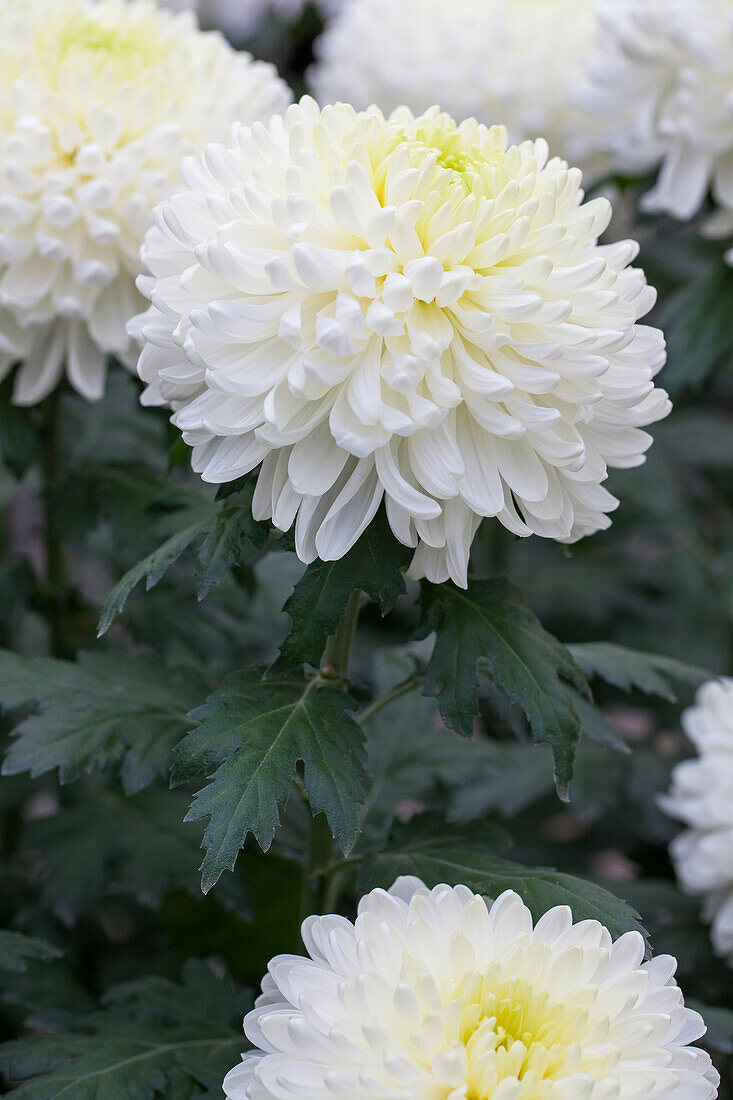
[319, 856]
[55, 565]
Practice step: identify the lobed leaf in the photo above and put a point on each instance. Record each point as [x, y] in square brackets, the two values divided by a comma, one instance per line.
[374, 566]
[100, 712]
[627, 669]
[152, 1038]
[454, 855]
[489, 630]
[16, 950]
[252, 736]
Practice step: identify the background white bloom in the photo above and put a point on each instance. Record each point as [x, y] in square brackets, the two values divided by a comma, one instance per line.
[514, 62]
[660, 93]
[403, 310]
[99, 101]
[433, 994]
[702, 797]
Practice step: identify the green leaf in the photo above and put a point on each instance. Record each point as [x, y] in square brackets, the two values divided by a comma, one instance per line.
[16, 949]
[230, 540]
[489, 630]
[152, 569]
[253, 734]
[152, 1038]
[628, 669]
[461, 855]
[696, 323]
[104, 844]
[101, 712]
[374, 566]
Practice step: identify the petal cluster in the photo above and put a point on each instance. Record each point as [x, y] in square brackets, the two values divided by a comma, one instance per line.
[515, 62]
[433, 994]
[702, 797]
[659, 94]
[99, 102]
[399, 310]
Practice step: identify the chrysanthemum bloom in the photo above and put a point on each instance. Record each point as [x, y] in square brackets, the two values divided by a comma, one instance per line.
[432, 994]
[702, 797]
[402, 310]
[99, 102]
[514, 62]
[659, 94]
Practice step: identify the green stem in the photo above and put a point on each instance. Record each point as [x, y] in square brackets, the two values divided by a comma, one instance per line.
[337, 658]
[318, 859]
[318, 889]
[55, 565]
[386, 700]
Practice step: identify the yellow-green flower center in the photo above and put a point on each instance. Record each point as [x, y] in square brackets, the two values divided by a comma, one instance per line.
[511, 1029]
[128, 47]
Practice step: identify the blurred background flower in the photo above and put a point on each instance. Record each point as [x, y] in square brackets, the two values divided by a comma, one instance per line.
[513, 62]
[100, 102]
[702, 797]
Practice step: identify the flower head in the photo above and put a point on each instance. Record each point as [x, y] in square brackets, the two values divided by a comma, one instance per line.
[702, 797]
[99, 102]
[404, 310]
[659, 94]
[514, 62]
[432, 993]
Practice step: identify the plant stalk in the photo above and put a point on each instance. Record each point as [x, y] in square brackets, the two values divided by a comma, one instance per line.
[319, 891]
[55, 594]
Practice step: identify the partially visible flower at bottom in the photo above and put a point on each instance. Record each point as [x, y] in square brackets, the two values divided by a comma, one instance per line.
[702, 797]
[403, 311]
[434, 995]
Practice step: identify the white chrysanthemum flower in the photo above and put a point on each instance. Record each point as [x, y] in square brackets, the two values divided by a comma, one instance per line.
[660, 93]
[432, 994]
[400, 310]
[702, 797]
[99, 102]
[514, 62]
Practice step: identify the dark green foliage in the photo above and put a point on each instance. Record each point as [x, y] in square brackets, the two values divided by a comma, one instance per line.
[253, 734]
[99, 712]
[16, 950]
[467, 855]
[152, 1037]
[489, 630]
[316, 607]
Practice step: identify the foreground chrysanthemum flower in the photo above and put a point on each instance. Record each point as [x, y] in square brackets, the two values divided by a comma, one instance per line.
[432, 994]
[702, 797]
[99, 101]
[515, 62]
[659, 93]
[403, 310]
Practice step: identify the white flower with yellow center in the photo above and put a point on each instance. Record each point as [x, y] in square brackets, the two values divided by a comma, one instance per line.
[399, 310]
[432, 995]
[660, 94]
[99, 101]
[702, 797]
[514, 62]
